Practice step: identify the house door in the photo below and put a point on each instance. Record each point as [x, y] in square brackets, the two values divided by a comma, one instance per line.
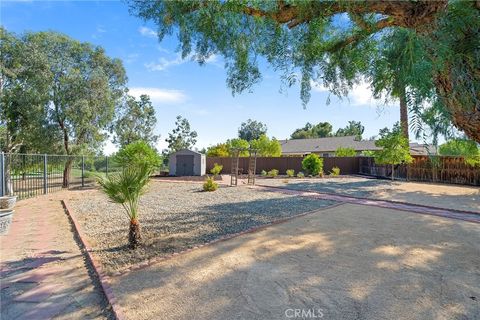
[184, 165]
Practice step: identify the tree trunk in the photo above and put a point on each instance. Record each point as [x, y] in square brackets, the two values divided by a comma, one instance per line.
[134, 234]
[403, 111]
[67, 173]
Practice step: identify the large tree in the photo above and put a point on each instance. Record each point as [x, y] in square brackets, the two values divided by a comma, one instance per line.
[251, 130]
[306, 37]
[24, 92]
[319, 130]
[85, 86]
[135, 121]
[354, 128]
[182, 137]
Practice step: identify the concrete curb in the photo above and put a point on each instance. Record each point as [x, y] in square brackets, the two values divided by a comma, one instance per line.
[103, 278]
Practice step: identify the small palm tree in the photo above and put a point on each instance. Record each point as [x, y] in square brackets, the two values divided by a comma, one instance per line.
[125, 188]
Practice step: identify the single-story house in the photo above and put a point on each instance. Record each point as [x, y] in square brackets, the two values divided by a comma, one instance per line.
[326, 147]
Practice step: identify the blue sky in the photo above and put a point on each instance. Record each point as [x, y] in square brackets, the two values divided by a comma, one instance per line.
[182, 87]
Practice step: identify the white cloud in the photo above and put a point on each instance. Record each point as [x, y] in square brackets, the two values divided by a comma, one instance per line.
[160, 95]
[361, 95]
[147, 32]
[163, 63]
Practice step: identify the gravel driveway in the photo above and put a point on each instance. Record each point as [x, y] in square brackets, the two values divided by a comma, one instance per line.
[177, 216]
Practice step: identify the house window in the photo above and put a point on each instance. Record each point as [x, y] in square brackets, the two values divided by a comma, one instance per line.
[325, 154]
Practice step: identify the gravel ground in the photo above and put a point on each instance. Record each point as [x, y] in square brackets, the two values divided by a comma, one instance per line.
[176, 216]
[436, 195]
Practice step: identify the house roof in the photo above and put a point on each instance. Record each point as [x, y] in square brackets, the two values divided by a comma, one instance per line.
[421, 149]
[330, 144]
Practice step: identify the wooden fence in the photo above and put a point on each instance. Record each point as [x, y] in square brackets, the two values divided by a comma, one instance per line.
[347, 165]
[424, 168]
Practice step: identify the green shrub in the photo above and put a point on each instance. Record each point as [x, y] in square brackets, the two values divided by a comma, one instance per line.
[313, 164]
[263, 173]
[137, 154]
[273, 173]
[290, 173]
[300, 175]
[217, 168]
[210, 184]
[335, 171]
[345, 152]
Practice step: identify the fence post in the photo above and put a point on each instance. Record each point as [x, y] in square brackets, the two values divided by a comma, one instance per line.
[45, 174]
[2, 174]
[83, 171]
[106, 165]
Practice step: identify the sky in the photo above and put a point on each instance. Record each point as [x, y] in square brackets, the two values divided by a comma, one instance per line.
[183, 87]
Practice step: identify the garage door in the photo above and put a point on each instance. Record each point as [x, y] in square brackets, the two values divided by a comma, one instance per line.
[184, 165]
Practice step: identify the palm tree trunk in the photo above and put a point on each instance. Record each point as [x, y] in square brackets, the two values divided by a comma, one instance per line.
[134, 234]
[403, 111]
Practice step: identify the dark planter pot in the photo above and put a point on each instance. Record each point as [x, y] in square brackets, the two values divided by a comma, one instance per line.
[8, 202]
[6, 216]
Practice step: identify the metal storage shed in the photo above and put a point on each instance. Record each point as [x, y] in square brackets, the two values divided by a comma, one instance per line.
[187, 163]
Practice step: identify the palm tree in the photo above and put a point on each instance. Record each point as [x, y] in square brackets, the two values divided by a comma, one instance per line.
[125, 188]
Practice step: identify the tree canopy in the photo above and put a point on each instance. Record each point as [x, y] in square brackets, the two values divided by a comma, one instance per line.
[136, 120]
[320, 130]
[334, 43]
[354, 128]
[251, 130]
[182, 136]
[395, 147]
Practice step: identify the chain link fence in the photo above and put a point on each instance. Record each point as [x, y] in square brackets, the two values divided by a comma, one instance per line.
[30, 175]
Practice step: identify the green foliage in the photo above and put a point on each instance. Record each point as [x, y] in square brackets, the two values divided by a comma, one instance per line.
[135, 121]
[210, 184]
[218, 150]
[263, 173]
[138, 154]
[464, 148]
[267, 147]
[368, 153]
[345, 152]
[125, 188]
[320, 130]
[251, 130]
[335, 171]
[395, 147]
[182, 137]
[312, 164]
[216, 169]
[272, 173]
[290, 173]
[354, 128]
[300, 175]
[240, 144]
[430, 48]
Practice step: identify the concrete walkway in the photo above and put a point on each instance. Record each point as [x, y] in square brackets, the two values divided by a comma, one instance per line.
[43, 272]
[441, 212]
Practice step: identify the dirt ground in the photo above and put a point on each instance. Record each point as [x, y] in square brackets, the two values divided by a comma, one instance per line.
[347, 262]
[436, 195]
